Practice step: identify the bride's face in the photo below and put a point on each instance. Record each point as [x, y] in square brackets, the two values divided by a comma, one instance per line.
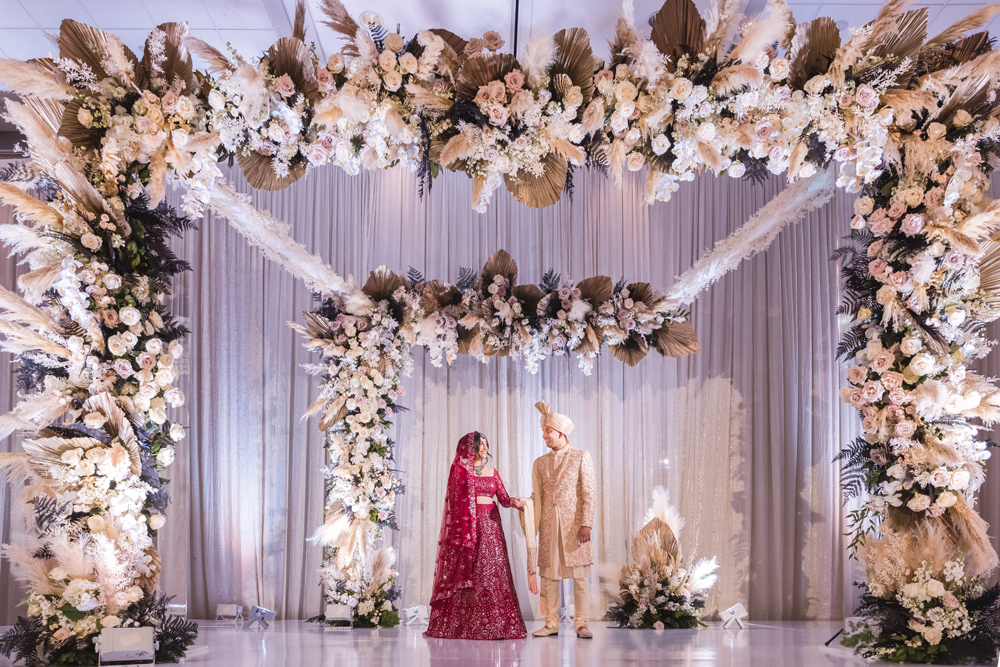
[483, 450]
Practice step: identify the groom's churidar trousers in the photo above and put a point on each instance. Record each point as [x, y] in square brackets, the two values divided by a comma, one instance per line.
[550, 588]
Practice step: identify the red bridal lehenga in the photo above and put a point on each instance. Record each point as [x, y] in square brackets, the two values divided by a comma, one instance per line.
[473, 596]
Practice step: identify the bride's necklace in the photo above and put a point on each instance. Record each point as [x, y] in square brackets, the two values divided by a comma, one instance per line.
[479, 468]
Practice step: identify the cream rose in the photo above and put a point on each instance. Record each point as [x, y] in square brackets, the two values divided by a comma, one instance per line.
[165, 456]
[85, 117]
[157, 521]
[922, 363]
[335, 63]
[736, 170]
[408, 61]
[936, 131]
[94, 419]
[498, 114]
[635, 161]
[96, 523]
[392, 80]
[910, 345]
[935, 588]
[681, 89]
[117, 346]
[864, 205]
[779, 69]
[706, 132]
[947, 499]
[394, 42]
[177, 432]
[130, 316]
[91, 241]
[574, 97]
[857, 374]
[919, 502]
[185, 107]
[962, 118]
[661, 144]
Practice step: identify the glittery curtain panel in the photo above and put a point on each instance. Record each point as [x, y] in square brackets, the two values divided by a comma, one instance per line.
[742, 434]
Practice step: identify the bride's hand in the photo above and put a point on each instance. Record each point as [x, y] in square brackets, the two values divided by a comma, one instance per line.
[517, 502]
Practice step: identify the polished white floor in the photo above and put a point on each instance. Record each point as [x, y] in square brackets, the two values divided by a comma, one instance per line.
[300, 644]
[294, 643]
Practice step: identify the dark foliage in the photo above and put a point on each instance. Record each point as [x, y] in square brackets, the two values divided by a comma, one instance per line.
[550, 281]
[426, 169]
[756, 169]
[48, 512]
[856, 468]
[979, 646]
[466, 278]
[568, 187]
[174, 634]
[414, 277]
[31, 374]
[21, 641]
[817, 152]
[622, 613]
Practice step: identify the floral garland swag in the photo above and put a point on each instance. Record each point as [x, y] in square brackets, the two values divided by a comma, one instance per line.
[906, 122]
[659, 590]
[365, 341]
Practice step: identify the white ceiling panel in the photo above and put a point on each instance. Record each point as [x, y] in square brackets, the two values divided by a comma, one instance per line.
[252, 25]
[114, 16]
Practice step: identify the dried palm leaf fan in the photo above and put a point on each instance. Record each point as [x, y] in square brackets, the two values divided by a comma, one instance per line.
[177, 64]
[530, 297]
[678, 29]
[342, 22]
[595, 290]
[77, 134]
[118, 425]
[453, 42]
[813, 49]
[479, 71]
[676, 340]
[973, 95]
[540, 191]
[635, 348]
[470, 341]
[45, 451]
[499, 263]
[382, 284]
[905, 41]
[655, 531]
[936, 45]
[94, 47]
[437, 295]
[259, 171]
[575, 59]
[971, 47]
[291, 56]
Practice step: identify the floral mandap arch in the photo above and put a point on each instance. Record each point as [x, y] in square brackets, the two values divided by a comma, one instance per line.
[907, 123]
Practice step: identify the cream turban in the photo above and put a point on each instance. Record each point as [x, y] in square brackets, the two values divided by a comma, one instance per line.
[559, 422]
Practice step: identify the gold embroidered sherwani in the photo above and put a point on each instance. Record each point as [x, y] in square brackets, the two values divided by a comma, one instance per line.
[564, 495]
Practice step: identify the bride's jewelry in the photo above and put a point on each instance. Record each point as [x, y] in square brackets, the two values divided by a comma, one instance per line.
[479, 468]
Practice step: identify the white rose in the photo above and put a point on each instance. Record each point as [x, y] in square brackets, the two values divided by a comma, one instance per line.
[185, 109]
[392, 80]
[932, 635]
[706, 131]
[117, 346]
[922, 363]
[275, 132]
[736, 170]
[164, 377]
[91, 241]
[176, 432]
[635, 161]
[919, 502]
[94, 419]
[176, 349]
[174, 396]
[660, 144]
[96, 524]
[959, 479]
[910, 345]
[947, 499]
[154, 345]
[779, 69]
[121, 598]
[956, 316]
[216, 100]
[165, 456]
[85, 117]
[681, 89]
[112, 281]
[130, 316]
[935, 588]
[936, 131]
[72, 456]
[157, 521]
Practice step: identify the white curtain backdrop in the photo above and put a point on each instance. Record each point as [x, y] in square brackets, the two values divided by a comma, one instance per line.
[742, 434]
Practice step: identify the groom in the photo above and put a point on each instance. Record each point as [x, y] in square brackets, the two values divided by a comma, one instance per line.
[564, 494]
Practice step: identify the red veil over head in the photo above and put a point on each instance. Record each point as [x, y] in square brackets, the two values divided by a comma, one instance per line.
[457, 542]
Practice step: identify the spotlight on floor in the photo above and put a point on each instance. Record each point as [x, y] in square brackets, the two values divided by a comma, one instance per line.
[259, 615]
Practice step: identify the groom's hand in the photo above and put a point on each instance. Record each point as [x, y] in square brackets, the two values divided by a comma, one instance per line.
[533, 584]
[584, 535]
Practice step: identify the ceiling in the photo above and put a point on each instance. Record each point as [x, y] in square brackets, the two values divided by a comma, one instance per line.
[253, 25]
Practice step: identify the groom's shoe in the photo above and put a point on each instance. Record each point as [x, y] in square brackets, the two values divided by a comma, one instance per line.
[545, 632]
[583, 633]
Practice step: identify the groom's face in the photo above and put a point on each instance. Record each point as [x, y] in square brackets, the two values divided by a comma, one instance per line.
[553, 438]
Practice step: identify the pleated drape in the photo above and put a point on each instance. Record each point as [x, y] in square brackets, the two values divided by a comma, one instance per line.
[742, 434]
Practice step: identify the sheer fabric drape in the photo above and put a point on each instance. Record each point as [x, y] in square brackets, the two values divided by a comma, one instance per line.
[743, 434]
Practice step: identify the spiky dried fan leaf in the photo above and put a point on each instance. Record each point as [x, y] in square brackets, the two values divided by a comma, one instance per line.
[259, 171]
[814, 47]
[176, 65]
[77, 134]
[476, 72]
[382, 283]
[500, 263]
[905, 39]
[292, 57]
[677, 340]
[657, 531]
[596, 290]
[632, 351]
[456, 43]
[960, 28]
[94, 48]
[678, 29]
[575, 59]
[529, 296]
[544, 190]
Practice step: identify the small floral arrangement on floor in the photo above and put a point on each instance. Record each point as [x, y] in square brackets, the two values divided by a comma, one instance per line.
[659, 589]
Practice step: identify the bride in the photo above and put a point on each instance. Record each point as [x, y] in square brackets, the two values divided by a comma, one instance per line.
[473, 595]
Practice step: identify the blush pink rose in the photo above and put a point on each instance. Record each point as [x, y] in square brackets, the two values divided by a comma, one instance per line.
[897, 209]
[284, 85]
[892, 380]
[514, 80]
[905, 429]
[912, 224]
